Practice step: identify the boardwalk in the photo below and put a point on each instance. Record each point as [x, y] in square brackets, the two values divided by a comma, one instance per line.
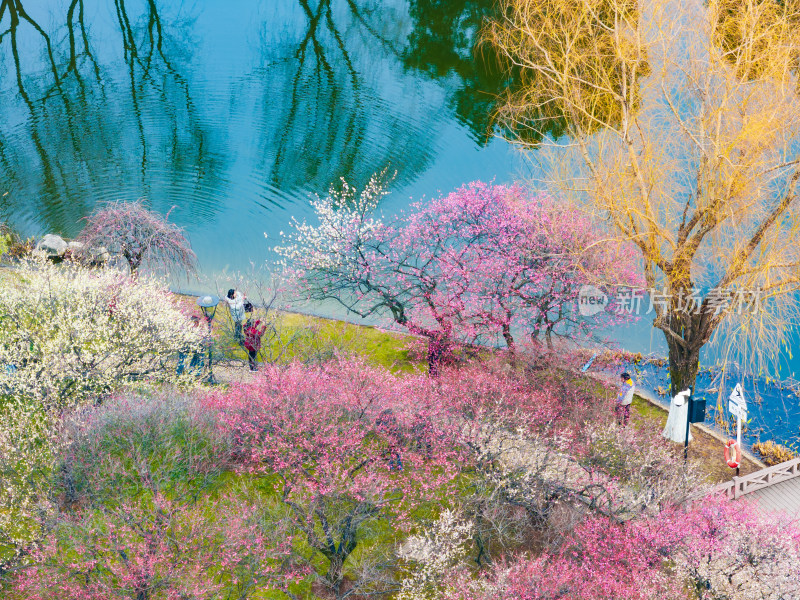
[783, 497]
[776, 489]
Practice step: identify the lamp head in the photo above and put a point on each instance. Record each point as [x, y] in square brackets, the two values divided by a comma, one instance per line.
[208, 304]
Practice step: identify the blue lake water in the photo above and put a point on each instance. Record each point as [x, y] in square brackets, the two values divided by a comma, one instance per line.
[232, 115]
[239, 111]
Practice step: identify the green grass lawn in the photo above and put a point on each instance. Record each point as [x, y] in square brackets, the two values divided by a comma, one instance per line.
[294, 336]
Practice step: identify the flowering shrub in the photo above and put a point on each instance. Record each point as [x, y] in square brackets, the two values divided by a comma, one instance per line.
[70, 333]
[27, 446]
[140, 235]
[164, 444]
[734, 551]
[541, 441]
[645, 474]
[346, 446]
[158, 549]
[600, 560]
[480, 264]
[717, 549]
[137, 517]
[436, 551]
[370, 484]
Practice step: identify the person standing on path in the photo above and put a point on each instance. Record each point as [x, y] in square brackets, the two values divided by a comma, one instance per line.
[235, 300]
[196, 363]
[624, 399]
[252, 341]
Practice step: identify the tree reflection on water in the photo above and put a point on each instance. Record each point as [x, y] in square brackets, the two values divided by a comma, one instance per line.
[79, 116]
[115, 110]
[331, 121]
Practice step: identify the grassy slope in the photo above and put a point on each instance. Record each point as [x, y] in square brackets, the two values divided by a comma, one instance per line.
[301, 336]
[296, 336]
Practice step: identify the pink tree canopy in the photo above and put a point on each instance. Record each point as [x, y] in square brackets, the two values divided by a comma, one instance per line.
[710, 550]
[480, 264]
[344, 446]
[140, 235]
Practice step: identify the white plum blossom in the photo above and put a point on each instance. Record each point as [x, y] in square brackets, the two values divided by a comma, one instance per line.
[70, 333]
[27, 445]
[742, 553]
[342, 220]
[433, 553]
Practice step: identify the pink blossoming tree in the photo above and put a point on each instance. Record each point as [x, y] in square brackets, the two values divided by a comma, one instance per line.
[158, 549]
[712, 550]
[599, 560]
[345, 447]
[480, 264]
[360, 483]
[137, 518]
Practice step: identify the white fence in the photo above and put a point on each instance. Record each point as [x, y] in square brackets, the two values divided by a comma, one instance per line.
[759, 480]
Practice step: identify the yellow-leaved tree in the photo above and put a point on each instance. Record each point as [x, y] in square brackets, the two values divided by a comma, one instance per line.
[684, 132]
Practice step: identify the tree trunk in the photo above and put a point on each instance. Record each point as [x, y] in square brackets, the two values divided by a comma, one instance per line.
[439, 350]
[684, 364]
[335, 575]
[512, 348]
[440, 344]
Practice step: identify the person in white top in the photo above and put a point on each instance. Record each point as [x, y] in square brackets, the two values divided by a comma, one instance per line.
[235, 300]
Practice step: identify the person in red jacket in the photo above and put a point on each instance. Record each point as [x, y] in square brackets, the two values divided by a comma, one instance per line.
[624, 399]
[253, 330]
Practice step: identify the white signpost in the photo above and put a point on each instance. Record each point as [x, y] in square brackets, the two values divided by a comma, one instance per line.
[738, 406]
[736, 402]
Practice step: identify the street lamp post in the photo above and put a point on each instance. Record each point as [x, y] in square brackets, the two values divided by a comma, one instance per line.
[695, 413]
[208, 305]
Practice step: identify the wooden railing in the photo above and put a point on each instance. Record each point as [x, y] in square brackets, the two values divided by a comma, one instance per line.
[759, 480]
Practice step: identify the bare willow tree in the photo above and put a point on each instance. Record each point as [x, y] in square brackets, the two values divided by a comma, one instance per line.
[684, 126]
[140, 235]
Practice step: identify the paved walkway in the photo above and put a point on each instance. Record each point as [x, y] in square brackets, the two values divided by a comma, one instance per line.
[234, 371]
[776, 489]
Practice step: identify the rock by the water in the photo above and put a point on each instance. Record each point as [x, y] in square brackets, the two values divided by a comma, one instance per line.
[99, 255]
[52, 245]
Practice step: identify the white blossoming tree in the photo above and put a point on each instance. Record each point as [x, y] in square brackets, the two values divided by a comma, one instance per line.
[70, 335]
[343, 220]
[433, 553]
[27, 436]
